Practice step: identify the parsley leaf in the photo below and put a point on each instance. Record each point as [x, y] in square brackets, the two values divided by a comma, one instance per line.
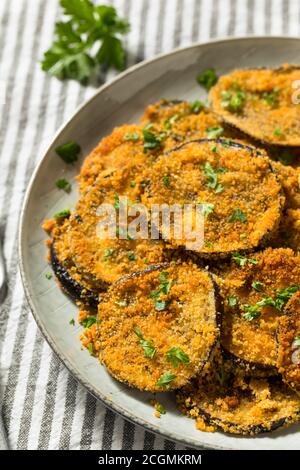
[68, 152]
[212, 177]
[131, 256]
[89, 321]
[233, 100]
[207, 208]
[161, 305]
[64, 214]
[149, 349]
[214, 132]
[166, 379]
[257, 285]
[277, 132]
[296, 342]
[232, 301]
[252, 312]
[166, 181]
[238, 216]
[243, 260]
[270, 97]
[197, 106]
[64, 185]
[108, 253]
[282, 296]
[177, 356]
[90, 348]
[163, 288]
[160, 408]
[131, 136]
[89, 36]
[152, 141]
[207, 78]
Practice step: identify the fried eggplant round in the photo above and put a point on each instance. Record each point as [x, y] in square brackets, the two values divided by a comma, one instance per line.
[288, 338]
[255, 291]
[240, 196]
[163, 126]
[157, 328]
[260, 103]
[239, 405]
[63, 266]
[104, 257]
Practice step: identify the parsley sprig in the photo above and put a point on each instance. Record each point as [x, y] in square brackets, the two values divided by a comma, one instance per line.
[166, 379]
[149, 349]
[212, 177]
[233, 99]
[207, 78]
[90, 36]
[163, 288]
[282, 296]
[296, 342]
[238, 216]
[242, 260]
[176, 356]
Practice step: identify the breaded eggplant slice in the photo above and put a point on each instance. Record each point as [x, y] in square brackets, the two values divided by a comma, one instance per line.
[102, 260]
[187, 121]
[288, 338]
[63, 266]
[255, 290]
[289, 178]
[289, 231]
[241, 196]
[171, 122]
[237, 405]
[157, 328]
[114, 152]
[126, 143]
[288, 234]
[259, 103]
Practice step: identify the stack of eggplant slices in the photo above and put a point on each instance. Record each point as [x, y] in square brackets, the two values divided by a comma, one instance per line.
[220, 324]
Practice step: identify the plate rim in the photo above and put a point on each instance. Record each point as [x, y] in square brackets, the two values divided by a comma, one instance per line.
[137, 420]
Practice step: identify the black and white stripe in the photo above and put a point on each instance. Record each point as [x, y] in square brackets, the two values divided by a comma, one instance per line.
[42, 405]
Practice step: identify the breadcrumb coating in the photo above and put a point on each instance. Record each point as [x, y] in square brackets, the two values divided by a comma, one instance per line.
[254, 340]
[245, 198]
[259, 103]
[242, 405]
[183, 318]
[288, 337]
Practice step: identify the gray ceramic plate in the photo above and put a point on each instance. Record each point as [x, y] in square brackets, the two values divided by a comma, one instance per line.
[123, 100]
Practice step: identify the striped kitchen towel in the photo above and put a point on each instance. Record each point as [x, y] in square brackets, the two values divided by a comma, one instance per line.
[43, 407]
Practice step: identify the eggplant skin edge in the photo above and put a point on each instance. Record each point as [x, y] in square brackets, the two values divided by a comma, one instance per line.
[247, 430]
[218, 314]
[252, 150]
[225, 142]
[76, 291]
[262, 369]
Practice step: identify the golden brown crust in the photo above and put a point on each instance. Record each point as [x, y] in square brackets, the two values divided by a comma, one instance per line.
[253, 340]
[175, 120]
[245, 199]
[259, 103]
[240, 405]
[288, 337]
[182, 314]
